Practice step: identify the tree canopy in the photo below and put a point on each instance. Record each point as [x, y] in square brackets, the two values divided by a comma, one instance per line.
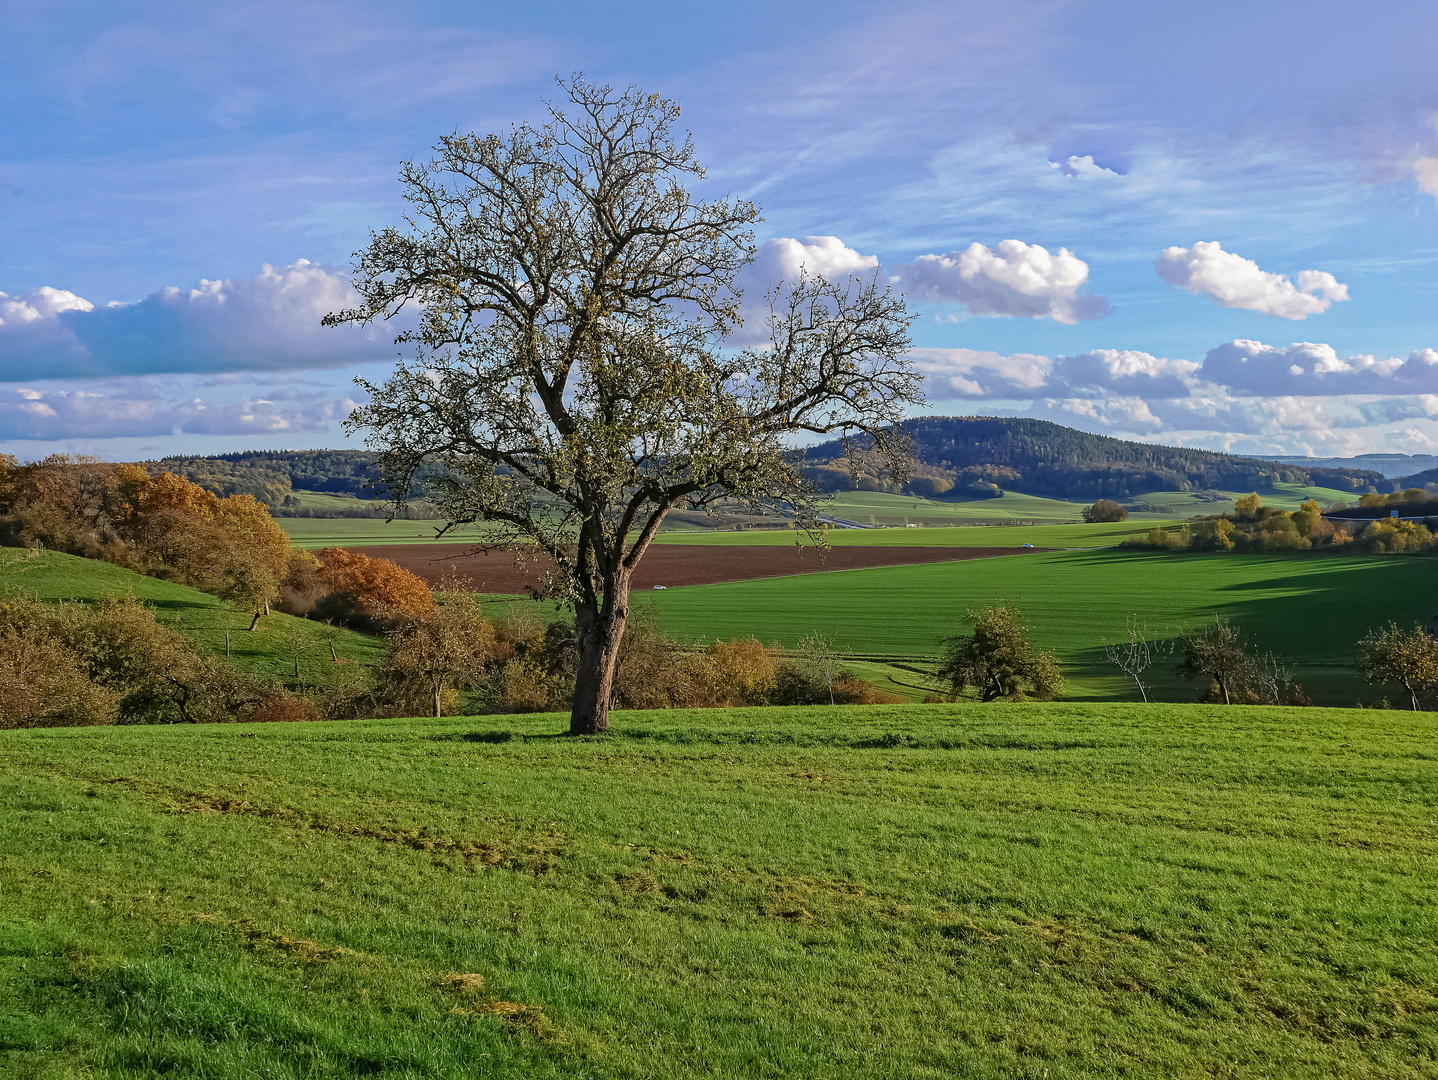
[997, 660]
[570, 375]
[1408, 657]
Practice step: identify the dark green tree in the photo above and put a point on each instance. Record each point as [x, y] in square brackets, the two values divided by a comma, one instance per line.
[997, 660]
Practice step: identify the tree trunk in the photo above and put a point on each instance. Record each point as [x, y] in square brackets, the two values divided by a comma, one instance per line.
[436, 703]
[599, 627]
[256, 620]
[1412, 695]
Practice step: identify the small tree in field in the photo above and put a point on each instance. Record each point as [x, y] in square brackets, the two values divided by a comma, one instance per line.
[1135, 655]
[1218, 650]
[1407, 657]
[572, 380]
[431, 658]
[816, 652]
[997, 660]
[1105, 510]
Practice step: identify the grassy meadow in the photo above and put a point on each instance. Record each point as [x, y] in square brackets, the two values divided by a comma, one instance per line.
[941, 891]
[1309, 610]
[361, 532]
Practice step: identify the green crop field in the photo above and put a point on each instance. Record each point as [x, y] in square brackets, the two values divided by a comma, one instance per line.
[940, 892]
[884, 509]
[1308, 610]
[324, 500]
[361, 532]
[268, 651]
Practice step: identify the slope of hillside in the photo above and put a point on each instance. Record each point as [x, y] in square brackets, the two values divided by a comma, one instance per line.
[269, 651]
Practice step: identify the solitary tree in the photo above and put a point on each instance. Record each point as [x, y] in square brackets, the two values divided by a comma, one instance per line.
[997, 660]
[1407, 657]
[1105, 510]
[570, 384]
[816, 653]
[427, 658]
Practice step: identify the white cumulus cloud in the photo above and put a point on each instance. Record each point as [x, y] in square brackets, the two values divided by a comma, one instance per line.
[960, 374]
[1232, 281]
[1083, 167]
[268, 322]
[1254, 369]
[38, 304]
[1012, 278]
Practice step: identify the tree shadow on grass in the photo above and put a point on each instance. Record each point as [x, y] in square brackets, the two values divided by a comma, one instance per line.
[1311, 620]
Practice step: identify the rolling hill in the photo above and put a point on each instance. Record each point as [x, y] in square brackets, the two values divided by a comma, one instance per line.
[958, 457]
[1042, 458]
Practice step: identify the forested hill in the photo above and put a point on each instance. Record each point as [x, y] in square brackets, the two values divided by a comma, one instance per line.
[1044, 458]
[954, 455]
[270, 475]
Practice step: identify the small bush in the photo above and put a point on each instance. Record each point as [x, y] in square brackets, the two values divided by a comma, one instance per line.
[42, 684]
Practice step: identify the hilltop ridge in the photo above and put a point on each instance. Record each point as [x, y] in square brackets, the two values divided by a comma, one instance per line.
[964, 454]
[954, 456]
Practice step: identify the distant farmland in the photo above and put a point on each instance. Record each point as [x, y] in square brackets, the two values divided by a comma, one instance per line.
[1309, 610]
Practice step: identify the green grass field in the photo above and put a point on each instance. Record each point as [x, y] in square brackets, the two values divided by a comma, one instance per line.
[944, 522]
[872, 507]
[1308, 610]
[324, 500]
[1000, 536]
[903, 892]
[884, 509]
[200, 617]
[359, 532]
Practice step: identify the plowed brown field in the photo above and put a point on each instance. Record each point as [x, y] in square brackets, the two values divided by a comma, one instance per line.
[675, 566]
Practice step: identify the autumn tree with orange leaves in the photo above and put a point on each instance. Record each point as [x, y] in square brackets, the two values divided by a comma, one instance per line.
[378, 590]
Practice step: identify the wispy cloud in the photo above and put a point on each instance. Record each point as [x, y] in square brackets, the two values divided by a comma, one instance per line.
[136, 408]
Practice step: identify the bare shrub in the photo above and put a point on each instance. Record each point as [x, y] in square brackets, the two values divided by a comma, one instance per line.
[285, 708]
[741, 672]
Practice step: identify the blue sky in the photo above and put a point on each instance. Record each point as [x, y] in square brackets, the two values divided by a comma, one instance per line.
[1217, 227]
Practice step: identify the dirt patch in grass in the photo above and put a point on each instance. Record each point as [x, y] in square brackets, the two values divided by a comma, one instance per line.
[673, 567]
[301, 949]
